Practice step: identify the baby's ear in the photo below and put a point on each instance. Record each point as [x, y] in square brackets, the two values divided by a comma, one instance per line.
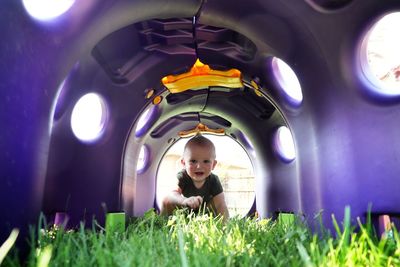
[183, 161]
[214, 164]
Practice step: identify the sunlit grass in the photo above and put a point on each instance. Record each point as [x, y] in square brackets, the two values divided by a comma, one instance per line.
[189, 240]
[7, 245]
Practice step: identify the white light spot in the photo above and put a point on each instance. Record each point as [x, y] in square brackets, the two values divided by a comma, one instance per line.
[47, 9]
[287, 80]
[89, 117]
[284, 145]
[380, 55]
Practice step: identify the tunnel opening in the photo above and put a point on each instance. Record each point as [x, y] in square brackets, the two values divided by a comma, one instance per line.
[237, 109]
[234, 169]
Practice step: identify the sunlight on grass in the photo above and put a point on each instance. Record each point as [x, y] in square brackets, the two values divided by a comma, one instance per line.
[7, 245]
[202, 240]
[44, 256]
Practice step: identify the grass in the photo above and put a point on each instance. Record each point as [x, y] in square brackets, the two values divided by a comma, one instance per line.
[189, 240]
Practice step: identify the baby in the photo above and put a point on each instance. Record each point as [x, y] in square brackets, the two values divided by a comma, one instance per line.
[197, 185]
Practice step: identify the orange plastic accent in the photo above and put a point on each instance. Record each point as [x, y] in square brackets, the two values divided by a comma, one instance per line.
[149, 93]
[201, 128]
[157, 100]
[202, 76]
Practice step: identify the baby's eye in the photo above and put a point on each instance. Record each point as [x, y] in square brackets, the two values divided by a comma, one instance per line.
[193, 161]
[207, 161]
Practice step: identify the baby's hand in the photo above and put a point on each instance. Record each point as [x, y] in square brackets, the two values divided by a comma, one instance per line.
[193, 202]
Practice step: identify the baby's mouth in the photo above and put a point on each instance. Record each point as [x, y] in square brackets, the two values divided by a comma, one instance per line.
[199, 173]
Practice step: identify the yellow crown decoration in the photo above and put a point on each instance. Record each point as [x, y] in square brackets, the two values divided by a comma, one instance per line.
[202, 76]
[201, 128]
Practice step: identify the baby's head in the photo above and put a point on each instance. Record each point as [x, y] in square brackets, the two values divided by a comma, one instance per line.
[199, 158]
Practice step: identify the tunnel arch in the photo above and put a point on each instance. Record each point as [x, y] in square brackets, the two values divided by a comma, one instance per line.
[108, 73]
[236, 111]
[333, 129]
[250, 51]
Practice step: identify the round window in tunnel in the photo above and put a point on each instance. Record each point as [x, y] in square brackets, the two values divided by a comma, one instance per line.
[143, 159]
[380, 55]
[146, 120]
[233, 168]
[287, 81]
[283, 144]
[45, 10]
[89, 117]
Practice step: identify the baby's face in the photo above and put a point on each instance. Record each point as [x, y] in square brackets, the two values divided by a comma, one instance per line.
[199, 162]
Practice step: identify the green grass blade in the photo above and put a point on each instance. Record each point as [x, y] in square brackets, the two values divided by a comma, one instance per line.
[184, 261]
[44, 256]
[8, 244]
[346, 226]
[304, 255]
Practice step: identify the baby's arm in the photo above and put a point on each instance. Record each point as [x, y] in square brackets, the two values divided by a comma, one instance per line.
[179, 200]
[220, 205]
[176, 199]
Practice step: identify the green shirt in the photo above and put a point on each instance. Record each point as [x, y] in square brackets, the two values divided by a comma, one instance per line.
[211, 187]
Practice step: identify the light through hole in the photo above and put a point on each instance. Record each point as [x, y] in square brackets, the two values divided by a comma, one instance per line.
[89, 117]
[284, 145]
[45, 10]
[380, 55]
[287, 81]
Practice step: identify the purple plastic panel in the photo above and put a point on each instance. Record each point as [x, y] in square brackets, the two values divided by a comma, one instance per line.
[347, 141]
[35, 60]
[344, 153]
[61, 219]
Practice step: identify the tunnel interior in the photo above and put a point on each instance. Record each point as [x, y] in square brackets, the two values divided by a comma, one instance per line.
[115, 68]
[345, 135]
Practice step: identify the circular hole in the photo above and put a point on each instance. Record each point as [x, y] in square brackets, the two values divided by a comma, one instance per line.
[380, 56]
[234, 170]
[283, 144]
[145, 121]
[45, 10]
[287, 80]
[89, 117]
[143, 159]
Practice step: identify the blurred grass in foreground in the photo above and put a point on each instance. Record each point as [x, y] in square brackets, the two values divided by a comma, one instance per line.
[189, 240]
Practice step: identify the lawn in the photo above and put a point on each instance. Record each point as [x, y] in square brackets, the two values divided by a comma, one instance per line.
[189, 240]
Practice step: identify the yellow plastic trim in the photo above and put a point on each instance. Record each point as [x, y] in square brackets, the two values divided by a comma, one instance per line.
[202, 76]
[201, 128]
[256, 88]
[255, 85]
